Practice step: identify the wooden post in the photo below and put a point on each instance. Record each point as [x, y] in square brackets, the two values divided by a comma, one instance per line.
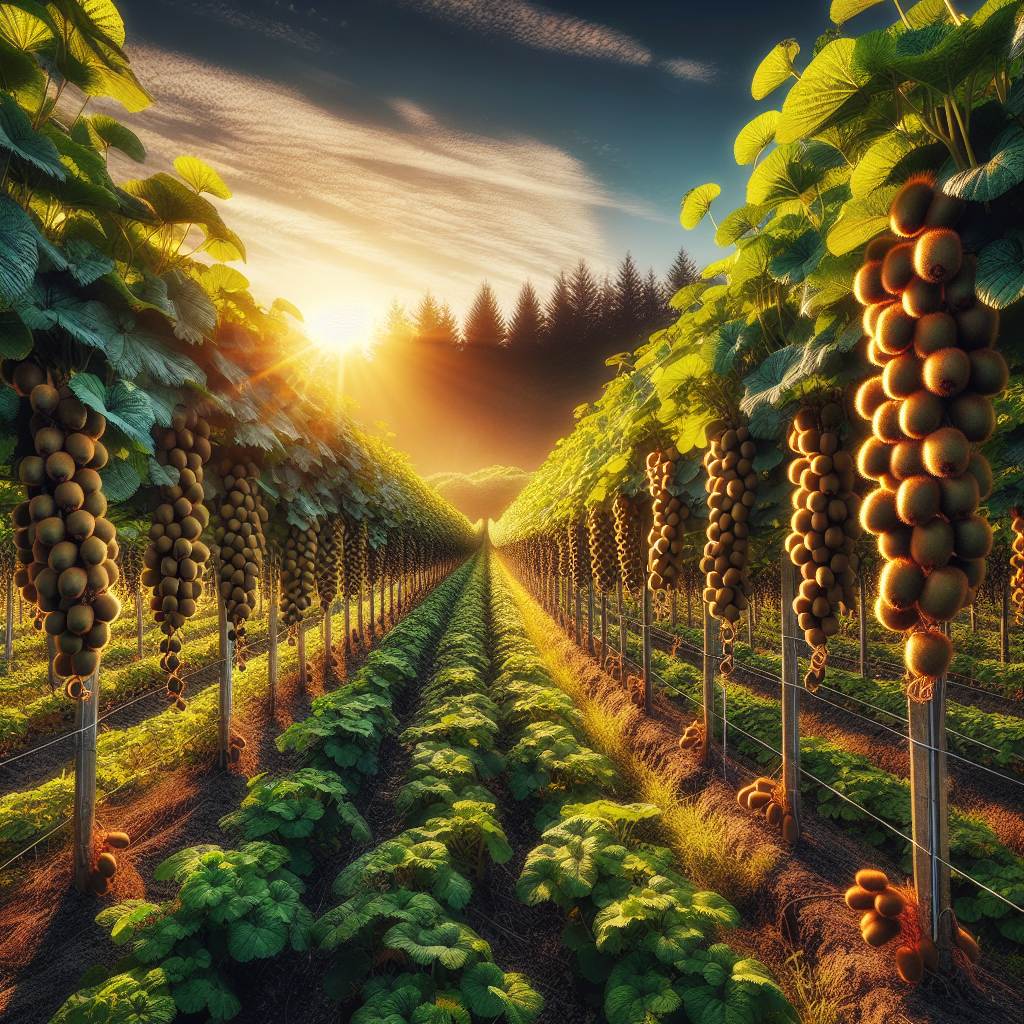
[1004, 626]
[51, 650]
[9, 635]
[359, 616]
[590, 618]
[86, 715]
[708, 681]
[689, 600]
[348, 628]
[674, 604]
[328, 644]
[790, 690]
[224, 652]
[930, 817]
[646, 625]
[302, 655]
[863, 622]
[623, 630]
[373, 632]
[604, 629]
[272, 670]
[579, 614]
[138, 621]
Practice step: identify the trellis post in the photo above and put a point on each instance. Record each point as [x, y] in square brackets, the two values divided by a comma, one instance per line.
[708, 681]
[224, 649]
[674, 605]
[9, 635]
[863, 623]
[646, 627]
[86, 722]
[790, 691]
[272, 634]
[623, 627]
[590, 618]
[302, 655]
[604, 628]
[1004, 626]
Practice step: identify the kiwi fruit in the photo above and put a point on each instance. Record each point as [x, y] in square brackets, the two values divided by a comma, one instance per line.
[945, 211]
[909, 964]
[80, 618]
[902, 376]
[85, 662]
[89, 481]
[928, 653]
[976, 327]
[71, 583]
[117, 840]
[989, 372]
[973, 569]
[32, 471]
[906, 460]
[966, 944]
[901, 582]
[107, 607]
[889, 903]
[909, 211]
[894, 331]
[918, 500]
[973, 538]
[69, 496]
[878, 512]
[80, 448]
[95, 424]
[899, 620]
[68, 643]
[933, 332]
[873, 458]
[104, 529]
[63, 555]
[878, 247]
[51, 531]
[959, 290]
[943, 594]
[946, 452]
[922, 297]
[98, 636]
[858, 898]
[937, 255]
[974, 416]
[929, 952]
[898, 268]
[931, 543]
[92, 551]
[96, 504]
[99, 458]
[867, 284]
[79, 525]
[895, 543]
[921, 415]
[946, 372]
[886, 423]
[48, 440]
[870, 395]
[979, 468]
[869, 321]
[27, 377]
[106, 864]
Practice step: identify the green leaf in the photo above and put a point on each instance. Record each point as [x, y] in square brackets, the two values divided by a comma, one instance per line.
[125, 405]
[120, 480]
[755, 137]
[861, 220]
[739, 223]
[1003, 170]
[19, 252]
[219, 277]
[782, 176]
[26, 24]
[86, 263]
[696, 203]
[284, 306]
[829, 81]
[771, 379]
[18, 135]
[774, 69]
[798, 259]
[482, 988]
[843, 10]
[1000, 279]
[113, 133]
[16, 340]
[201, 176]
[875, 166]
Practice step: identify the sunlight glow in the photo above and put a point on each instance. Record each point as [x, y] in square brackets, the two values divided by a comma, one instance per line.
[341, 329]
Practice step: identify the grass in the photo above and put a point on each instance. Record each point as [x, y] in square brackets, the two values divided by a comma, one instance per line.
[818, 996]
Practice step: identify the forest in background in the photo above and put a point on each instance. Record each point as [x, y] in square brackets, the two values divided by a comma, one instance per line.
[484, 494]
[500, 387]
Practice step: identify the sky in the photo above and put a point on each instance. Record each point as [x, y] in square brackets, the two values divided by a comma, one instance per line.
[383, 147]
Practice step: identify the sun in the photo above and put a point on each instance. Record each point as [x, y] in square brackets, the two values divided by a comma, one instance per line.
[341, 329]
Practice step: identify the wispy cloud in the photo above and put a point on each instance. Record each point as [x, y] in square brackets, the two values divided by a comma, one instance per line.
[334, 211]
[692, 70]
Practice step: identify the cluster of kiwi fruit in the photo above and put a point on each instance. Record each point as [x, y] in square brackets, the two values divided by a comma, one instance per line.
[732, 488]
[628, 543]
[932, 340]
[65, 547]
[106, 862]
[579, 552]
[768, 797]
[330, 558]
[176, 557]
[693, 737]
[665, 539]
[298, 573]
[351, 561]
[603, 557]
[239, 546]
[825, 528]
[1017, 559]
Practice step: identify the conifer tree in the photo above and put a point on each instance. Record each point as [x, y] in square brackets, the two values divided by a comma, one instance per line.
[395, 325]
[627, 298]
[559, 316]
[654, 308]
[683, 271]
[427, 320]
[585, 300]
[527, 324]
[484, 322]
[448, 331]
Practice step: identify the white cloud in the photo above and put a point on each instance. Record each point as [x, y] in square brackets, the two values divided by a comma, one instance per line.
[335, 212]
[689, 69]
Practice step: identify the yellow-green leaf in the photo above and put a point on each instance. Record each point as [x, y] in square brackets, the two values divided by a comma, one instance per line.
[755, 136]
[843, 10]
[22, 28]
[696, 204]
[222, 278]
[201, 176]
[284, 306]
[774, 69]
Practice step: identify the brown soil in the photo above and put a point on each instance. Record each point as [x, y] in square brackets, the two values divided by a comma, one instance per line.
[799, 906]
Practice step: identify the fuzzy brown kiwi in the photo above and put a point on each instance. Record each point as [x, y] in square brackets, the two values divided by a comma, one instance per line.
[959, 290]
[32, 471]
[944, 593]
[80, 618]
[977, 327]
[899, 620]
[898, 268]
[869, 321]
[921, 414]
[931, 543]
[902, 376]
[946, 452]
[95, 424]
[69, 643]
[929, 952]
[937, 255]
[85, 662]
[979, 468]
[117, 840]
[72, 413]
[104, 529]
[946, 372]
[51, 531]
[974, 416]
[100, 456]
[80, 525]
[878, 247]
[80, 448]
[922, 297]
[973, 569]
[871, 879]
[934, 331]
[945, 211]
[48, 440]
[63, 555]
[98, 636]
[906, 460]
[928, 653]
[60, 467]
[889, 903]
[26, 377]
[909, 210]
[989, 372]
[71, 583]
[858, 898]
[918, 499]
[966, 944]
[873, 458]
[886, 423]
[909, 964]
[972, 538]
[895, 543]
[107, 607]
[901, 583]
[894, 332]
[867, 284]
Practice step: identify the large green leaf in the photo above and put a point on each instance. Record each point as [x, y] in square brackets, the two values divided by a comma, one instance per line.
[120, 480]
[26, 24]
[875, 166]
[860, 221]
[1000, 280]
[1003, 170]
[829, 81]
[772, 378]
[739, 223]
[783, 175]
[201, 176]
[86, 263]
[16, 340]
[125, 405]
[18, 136]
[843, 10]
[19, 251]
[696, 203]
[798, 259]
[113, 133]
[774, 69]
[755, 137]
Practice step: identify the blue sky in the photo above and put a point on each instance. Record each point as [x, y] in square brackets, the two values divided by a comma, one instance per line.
[381, 147]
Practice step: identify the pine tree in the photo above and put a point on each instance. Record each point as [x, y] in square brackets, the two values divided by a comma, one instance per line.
[654, 308]
[527, 324]
[484, 323]
[627, 297]
[559, 316]
[683, 272]
[427, 320]
[585, 300]
[448, 327]
[396, 325]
